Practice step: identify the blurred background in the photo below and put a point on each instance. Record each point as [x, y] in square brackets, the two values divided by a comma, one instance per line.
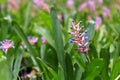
[39, 30]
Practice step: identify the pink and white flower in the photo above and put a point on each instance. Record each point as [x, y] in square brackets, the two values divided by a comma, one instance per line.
[6, 44]
[32, 40]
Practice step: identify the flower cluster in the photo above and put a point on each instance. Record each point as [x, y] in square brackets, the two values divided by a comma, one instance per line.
[31, 39]
[80, 37]
[42, 4]
[93, 6]
[6, 44]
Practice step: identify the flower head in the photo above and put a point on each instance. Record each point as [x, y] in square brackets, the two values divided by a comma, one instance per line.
[31, 39]
[6, 44]
[42, 4]
[70, 3]
[91, 5]
[98, 22]
[100, 2]
[43, 40]
[106, 12]
[82, 6]
[79, 37]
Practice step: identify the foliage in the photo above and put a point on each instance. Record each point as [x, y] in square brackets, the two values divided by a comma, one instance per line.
[56, 58]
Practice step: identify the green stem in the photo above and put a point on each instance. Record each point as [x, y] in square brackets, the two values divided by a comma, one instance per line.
[87, 57]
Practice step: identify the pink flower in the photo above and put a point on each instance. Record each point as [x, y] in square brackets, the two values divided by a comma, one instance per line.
[79, 37]
[100, 2]
[91, 5]
[82, 6]
[32, 40]
[43, 40]
[98, 21]
[59, 16]
[106, 12]
[70, 3]
[13, 4]
[42, 4]
[6, 44]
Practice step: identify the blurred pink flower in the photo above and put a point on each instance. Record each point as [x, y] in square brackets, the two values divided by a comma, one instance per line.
[70, 3]
[13, 4]
[98, 22]
[82, 6]
[59, 16]
[42, 4]
[100, 2]
[43, 40]
[91, 5]
[106, 12]
[6, 44]
[32, 40]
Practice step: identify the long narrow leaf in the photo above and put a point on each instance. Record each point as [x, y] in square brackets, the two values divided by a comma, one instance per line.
[17, 64]
[21, 34]
[58, 40]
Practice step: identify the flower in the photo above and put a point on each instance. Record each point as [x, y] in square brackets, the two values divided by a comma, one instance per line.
[32, 40]
[6, 44]
[106, 12]
[43, 40]
[100, 2]
[80, 37]
[82, 7]
[42, 4]
[70, 3]
[13, 4]
[98, 22]
[91, 5]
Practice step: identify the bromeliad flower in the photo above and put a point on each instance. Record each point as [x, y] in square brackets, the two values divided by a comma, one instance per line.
[6, 44]
[42, 4]
[31, 39]
[80, 37]
[70, 3]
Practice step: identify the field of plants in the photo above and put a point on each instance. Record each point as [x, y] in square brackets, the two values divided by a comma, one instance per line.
[59, 39]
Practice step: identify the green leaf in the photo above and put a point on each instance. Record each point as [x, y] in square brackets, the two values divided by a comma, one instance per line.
[91, 30]
[77, 72]
[27, 14]
[93, 69]
[116, 69]
[106, 57]
[80, 62]
[4, 28]
[60, 73]
[17, 64]
[21, 34]
[46, 68]
[45, 33]
[5, 71]
[69, 66]
[58, 40]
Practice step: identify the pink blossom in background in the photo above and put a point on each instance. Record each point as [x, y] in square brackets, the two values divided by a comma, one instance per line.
[42, 4]
[70, 3]
[31, 39]
[59, 16]
[2, 7]
[100, 2]
[89, 17]
[13, 4]
[82, 6]
[6, 44]
[98, 22]
[43, 40]
[106, 12]
[91, 5]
